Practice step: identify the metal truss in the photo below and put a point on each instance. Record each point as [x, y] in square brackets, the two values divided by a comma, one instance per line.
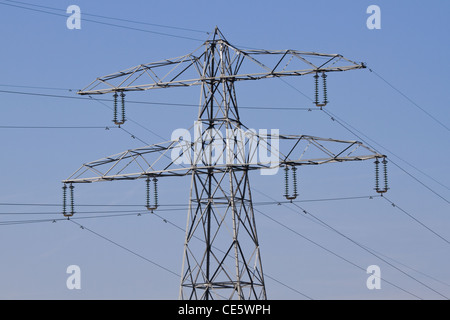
[181, 158]
[189, 70]
[226, 263]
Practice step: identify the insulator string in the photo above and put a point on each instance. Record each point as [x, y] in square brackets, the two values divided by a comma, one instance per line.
[115, 108]
[72, 200]
[325, 97]
[287, 195]
[385, 175]
[324, 90]
[316, 92]
[153, 206]
[148, 192]
[377, 176]
[64, 200]
[155, 190]
[294, 180]
[286, 181]
[122, 96]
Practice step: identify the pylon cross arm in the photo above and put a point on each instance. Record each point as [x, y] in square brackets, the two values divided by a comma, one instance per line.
[257, 151]
[188, 70]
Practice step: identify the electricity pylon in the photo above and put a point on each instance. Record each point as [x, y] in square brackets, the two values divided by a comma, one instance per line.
[227, 262]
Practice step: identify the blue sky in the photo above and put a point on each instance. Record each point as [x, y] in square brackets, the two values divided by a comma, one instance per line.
[408, 53]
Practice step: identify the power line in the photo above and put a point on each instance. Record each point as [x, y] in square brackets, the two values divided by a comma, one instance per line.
[180, 207]
[333, 117]
[346, 126]
[129, 133]
[115, 214]
[30, 221]
[170, 104]
[34, 221]
[123, 20]
[265, 274]
[129, 119]
[415, 270]
[330, 251]
[166, 221]
[372, 253]
[135, 213]
[125, 248]
[104, 23]
[410, 100]
[416, 220]
[423, 184]
[185, 206]
[36, 87]
[115, 18]
[306, 215]
[129, 213]
[56, 127]
[162, 267]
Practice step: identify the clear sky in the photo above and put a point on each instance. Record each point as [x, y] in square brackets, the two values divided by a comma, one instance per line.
[400, 108]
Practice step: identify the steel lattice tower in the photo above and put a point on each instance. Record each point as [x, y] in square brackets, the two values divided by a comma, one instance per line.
[227, 262]
[220, 208]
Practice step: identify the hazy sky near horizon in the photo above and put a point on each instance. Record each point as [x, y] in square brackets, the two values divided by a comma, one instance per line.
[399, 105]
